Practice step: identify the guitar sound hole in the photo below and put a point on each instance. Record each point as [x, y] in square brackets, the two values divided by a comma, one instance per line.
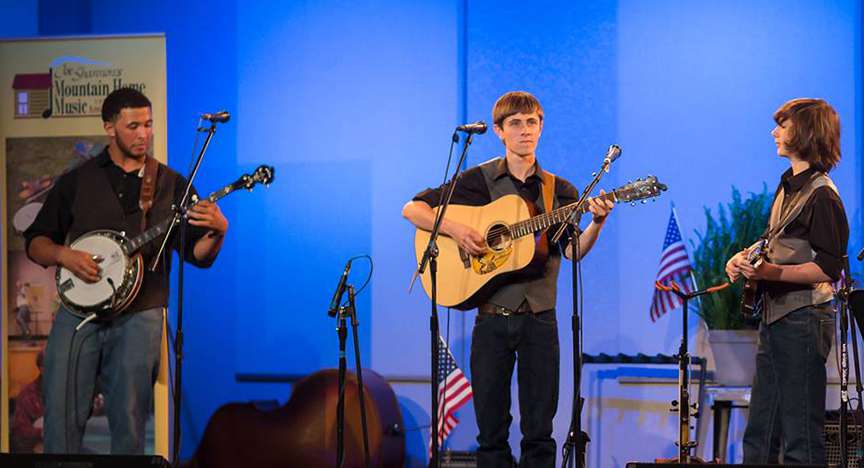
[498, 237]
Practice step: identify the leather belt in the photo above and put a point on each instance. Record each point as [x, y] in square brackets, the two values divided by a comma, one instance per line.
[494, 309]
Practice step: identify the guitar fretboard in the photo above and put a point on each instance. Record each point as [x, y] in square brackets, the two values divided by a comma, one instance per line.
[545, 220]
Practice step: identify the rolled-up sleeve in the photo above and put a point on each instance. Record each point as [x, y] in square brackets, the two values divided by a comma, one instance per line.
[55, 216]
[566, 194]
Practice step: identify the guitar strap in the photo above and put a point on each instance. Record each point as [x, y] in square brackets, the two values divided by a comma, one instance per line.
[148, 189]
[548, 190]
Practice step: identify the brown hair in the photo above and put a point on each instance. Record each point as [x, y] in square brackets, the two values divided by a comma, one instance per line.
[815, 131]
[515, 102]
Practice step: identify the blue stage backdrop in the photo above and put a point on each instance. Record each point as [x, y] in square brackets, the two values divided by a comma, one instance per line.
[354, 103]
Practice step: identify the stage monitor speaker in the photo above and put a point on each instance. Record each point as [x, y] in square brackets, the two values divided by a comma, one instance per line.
[679, 465]
[458, 459]
[854, 444]
[81, 461]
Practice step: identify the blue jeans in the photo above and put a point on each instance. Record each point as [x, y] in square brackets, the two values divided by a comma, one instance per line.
[498, 342]
[787, 407]
[123, 356]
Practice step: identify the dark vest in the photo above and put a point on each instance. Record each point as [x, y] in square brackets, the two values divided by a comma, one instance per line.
[539, 290]
[96, 206]
[785, 250]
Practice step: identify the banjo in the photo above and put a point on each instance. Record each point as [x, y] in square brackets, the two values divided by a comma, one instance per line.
[121, 261]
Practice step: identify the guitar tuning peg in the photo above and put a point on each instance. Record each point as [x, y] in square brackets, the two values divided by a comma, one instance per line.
[593, 174]
[644, 202]
[633, 203]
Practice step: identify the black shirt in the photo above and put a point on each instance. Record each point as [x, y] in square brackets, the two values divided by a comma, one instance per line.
[822, 222]
[55, 220]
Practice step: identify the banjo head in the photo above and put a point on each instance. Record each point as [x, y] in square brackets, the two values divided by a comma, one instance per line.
[119, 273]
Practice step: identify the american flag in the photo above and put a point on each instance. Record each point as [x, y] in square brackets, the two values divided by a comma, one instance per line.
[674, 265]
[454, 391]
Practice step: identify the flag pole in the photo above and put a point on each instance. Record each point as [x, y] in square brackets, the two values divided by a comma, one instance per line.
[689, 258]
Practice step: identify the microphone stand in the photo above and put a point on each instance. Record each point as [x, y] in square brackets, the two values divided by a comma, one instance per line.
[430, 258]
[180, 217]
[342, 331]
[576, 326]
[843, 297]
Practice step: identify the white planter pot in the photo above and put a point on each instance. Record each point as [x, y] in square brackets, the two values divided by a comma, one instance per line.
[734, 356]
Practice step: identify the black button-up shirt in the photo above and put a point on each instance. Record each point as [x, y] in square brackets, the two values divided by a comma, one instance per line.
[56, 218]
[822, 222]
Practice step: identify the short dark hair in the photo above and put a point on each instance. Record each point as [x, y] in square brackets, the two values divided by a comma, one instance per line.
[815, 131]
[515, 102]
[122, 98]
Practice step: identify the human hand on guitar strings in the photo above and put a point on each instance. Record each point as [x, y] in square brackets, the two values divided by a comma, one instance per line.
[467, 237]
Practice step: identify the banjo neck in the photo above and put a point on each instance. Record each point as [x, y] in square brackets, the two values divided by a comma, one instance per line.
[139, 241]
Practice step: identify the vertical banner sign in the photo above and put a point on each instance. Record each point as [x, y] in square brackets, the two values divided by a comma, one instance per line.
[51, 93]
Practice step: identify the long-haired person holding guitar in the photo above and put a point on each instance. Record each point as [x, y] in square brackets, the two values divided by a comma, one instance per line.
[805, 243]
[516, 314]
[123, 190]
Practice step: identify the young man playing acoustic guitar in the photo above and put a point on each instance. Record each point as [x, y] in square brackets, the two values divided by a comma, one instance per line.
[122, 354]
[806, 242]
[516, 322]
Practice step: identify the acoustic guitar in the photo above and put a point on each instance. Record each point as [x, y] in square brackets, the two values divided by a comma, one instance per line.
[515, 240]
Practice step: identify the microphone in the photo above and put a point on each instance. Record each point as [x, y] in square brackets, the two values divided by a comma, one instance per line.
[340, 290]
[478, 127]
[218, 117]
[612, 153]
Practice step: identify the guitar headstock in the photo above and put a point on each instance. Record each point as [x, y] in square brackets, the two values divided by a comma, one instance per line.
[641, 189]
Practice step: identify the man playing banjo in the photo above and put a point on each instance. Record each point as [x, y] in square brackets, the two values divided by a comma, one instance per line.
[109, 192]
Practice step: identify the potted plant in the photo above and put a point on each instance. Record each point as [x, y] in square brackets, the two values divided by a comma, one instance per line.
[732, 337]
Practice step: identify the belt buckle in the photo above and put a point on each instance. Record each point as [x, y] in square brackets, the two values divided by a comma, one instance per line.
[504, 311]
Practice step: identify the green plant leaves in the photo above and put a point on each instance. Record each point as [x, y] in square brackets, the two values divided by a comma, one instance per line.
[738, 224]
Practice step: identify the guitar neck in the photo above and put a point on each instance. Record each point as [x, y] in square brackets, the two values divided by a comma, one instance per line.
[155, 231]
[545, 220]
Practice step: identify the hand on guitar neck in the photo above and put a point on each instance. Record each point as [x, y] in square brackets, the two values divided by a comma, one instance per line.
[600, 207]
